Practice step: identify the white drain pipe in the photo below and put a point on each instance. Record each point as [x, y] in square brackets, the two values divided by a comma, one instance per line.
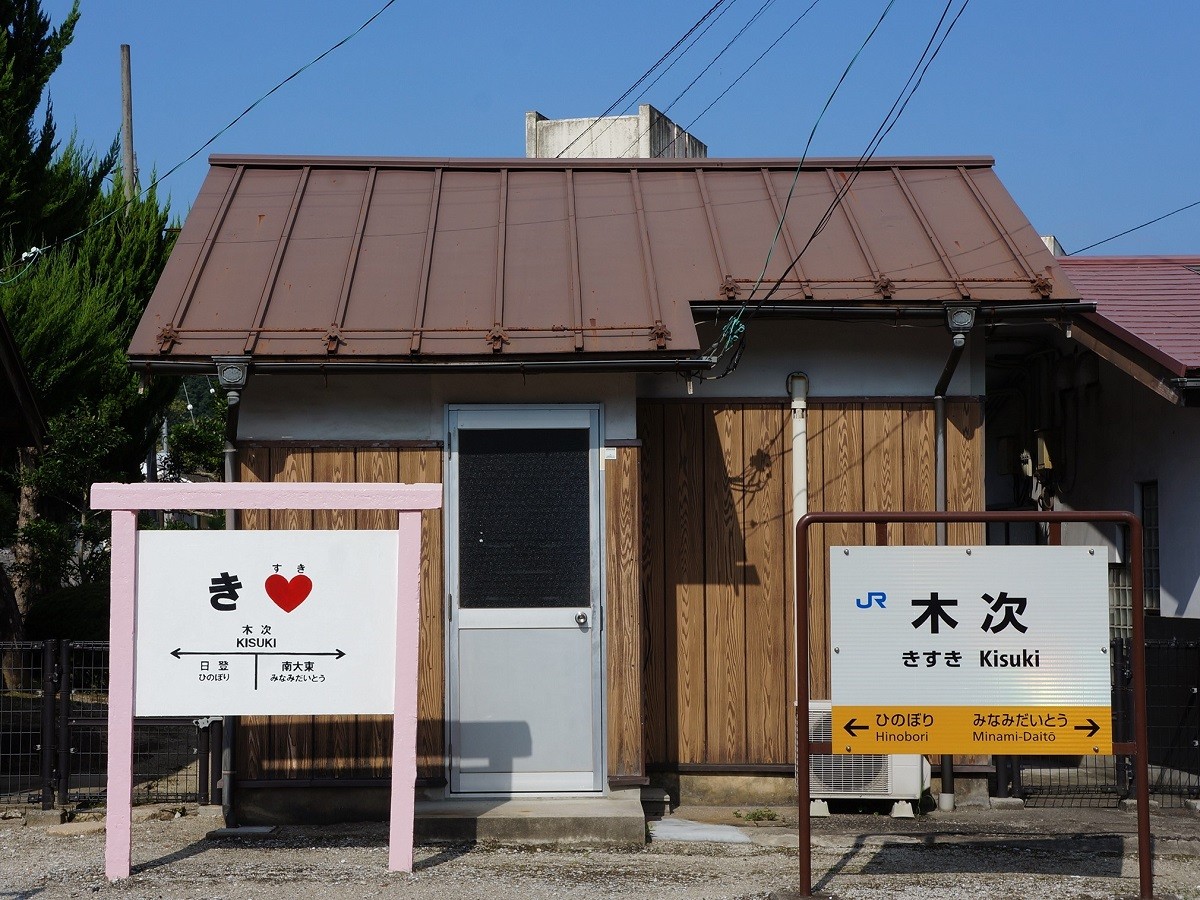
[797, 388]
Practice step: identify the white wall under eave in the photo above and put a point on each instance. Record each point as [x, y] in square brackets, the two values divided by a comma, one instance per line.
[411, 406]
[842, 359]
[1128, 434]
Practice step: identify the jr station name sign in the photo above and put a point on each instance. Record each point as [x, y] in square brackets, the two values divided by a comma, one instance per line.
[970, 650]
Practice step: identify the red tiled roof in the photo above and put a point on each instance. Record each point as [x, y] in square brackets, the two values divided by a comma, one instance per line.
[1151, 303]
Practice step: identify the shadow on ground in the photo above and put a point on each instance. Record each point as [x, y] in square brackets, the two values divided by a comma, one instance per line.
[1066, 854]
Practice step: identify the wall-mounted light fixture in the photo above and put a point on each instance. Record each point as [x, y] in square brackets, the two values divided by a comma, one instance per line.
[232, 374]
[960, 318]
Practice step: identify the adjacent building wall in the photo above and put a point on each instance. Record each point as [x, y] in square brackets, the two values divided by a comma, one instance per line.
[1127, 434]
[647, 135]
[1106, 434]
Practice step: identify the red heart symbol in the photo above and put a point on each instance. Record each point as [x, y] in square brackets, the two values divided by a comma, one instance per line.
[287, 595]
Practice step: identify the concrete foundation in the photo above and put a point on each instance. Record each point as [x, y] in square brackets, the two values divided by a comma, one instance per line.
[728, 789]
[615, 821]
[311, 805]
[969, 790]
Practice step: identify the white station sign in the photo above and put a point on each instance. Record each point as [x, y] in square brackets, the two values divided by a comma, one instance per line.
[970, 650]
[265, 623]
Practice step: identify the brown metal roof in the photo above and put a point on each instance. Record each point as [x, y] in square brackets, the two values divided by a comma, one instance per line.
[363, 259]
[1151, 303]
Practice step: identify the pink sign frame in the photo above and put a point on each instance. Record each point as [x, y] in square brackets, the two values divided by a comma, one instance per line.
[126, 500]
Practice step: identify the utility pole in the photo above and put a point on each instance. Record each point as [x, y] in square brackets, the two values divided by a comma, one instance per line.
[129, 181]
[128, 165]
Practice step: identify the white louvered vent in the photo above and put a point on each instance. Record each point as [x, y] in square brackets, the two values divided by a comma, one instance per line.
[860, 776]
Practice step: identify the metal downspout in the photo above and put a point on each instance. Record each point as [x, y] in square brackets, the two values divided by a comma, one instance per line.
[230, 724]
[946, 797]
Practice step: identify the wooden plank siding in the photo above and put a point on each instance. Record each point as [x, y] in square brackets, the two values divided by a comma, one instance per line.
[653, 588]
[332, 747]
[623, 616]
[301, 747]
[717, 553]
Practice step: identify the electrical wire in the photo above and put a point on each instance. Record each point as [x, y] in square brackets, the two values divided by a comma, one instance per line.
[29, 258]
[1136, 227]
[735, 329]
[745, 72]
[712, 62]
[157, 181]
[633, 87]
[682, 53]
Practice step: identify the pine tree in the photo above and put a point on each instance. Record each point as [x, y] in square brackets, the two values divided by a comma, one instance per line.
[44, 194]
[72, 313]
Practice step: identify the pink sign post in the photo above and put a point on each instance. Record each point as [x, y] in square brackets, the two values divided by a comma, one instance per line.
[126, 500]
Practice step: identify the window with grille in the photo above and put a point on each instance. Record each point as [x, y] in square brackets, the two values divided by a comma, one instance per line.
[1120, 587]
[1148, 510]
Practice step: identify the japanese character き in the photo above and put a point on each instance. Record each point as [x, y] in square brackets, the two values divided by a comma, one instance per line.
[224, 590]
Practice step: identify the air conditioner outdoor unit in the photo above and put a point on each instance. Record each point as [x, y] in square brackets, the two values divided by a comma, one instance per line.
[860, 776]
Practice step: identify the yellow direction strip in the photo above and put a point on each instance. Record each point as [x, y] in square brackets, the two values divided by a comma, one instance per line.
[1044, 730]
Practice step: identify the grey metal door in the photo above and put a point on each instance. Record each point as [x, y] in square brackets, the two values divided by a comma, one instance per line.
[523, 527]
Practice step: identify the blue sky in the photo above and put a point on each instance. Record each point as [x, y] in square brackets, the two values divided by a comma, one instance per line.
[1088, 106]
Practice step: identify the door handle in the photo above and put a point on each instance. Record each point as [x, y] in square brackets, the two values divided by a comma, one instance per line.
[581, 618]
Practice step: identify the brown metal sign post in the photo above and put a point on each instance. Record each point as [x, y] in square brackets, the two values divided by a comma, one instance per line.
[1137, 748]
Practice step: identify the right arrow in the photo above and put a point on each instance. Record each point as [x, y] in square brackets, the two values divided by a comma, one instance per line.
[1093, 727]
[851, 728]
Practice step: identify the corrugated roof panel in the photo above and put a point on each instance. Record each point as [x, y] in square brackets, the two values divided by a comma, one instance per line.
[462, 279]
[612, 273]
[899, 244]
[746, 222]
[243, 254]
[390, 267]
[539, 291]
[974, 233]
[685, 264]
[833, 263]
[313, 268]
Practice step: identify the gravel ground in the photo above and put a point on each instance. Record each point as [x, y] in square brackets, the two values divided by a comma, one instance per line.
[1049, 854]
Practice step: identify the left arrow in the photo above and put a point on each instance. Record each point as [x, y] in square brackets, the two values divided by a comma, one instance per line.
[179, 653]
[851, 727]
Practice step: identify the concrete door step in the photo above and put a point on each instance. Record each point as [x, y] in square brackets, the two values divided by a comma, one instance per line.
[567, 821]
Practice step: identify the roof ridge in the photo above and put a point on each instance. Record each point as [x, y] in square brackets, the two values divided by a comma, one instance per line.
[495, 163]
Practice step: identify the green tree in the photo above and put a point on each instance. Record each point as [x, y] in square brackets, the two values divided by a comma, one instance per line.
[196, 422]
[72, 313]
[44, 194]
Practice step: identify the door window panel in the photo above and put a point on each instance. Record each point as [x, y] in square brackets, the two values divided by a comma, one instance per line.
[524, 519]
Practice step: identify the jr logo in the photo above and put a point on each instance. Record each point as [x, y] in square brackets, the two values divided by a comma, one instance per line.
[873, 598]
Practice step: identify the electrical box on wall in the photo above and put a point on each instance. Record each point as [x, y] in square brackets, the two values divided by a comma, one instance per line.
[1045, 443]
[1006, 455]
